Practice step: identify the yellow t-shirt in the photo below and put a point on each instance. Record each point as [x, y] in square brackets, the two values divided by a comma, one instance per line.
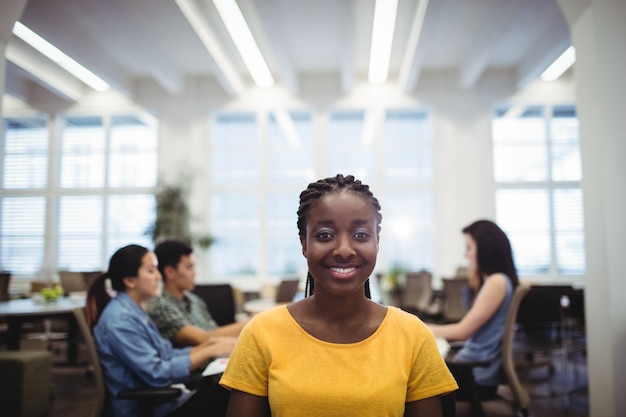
[304, 376]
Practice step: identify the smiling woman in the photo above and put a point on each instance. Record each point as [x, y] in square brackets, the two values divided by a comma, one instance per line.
[288, 371]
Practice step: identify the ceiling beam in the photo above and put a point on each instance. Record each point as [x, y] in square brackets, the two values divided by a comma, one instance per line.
[411, 66]
[226, 74]
[493, 27]
[553, 44]
[45, 72]
[347, 64]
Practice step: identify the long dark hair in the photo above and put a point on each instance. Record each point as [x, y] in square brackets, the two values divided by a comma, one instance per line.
[125, 262]
[314, 193]
[494, 253]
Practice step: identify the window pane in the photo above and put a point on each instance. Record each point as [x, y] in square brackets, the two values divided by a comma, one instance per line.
[236, 145]
[22, 234]
[519, 149]
[287, 162]
[80, 233]
[346, 153]
[407, 146]
[566, 164]
[129, 217]
[82, 152]
[236, 229]
[284, 254]
[570, 243]
[25, 152]
[524, 216]
[133, 157]
[407, 229]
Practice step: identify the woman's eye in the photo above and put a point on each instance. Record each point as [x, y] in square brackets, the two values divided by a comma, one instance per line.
[324, 235]
[361, 235]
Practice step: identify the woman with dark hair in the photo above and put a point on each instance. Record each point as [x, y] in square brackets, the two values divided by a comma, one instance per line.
[133, 354]
[337, 352]
[493, 278]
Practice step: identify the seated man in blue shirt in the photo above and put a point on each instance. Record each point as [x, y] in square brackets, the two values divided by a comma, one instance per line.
[180, 315]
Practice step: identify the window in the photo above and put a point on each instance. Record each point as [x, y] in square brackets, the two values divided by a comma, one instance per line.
[260, 167]
[99, 197]
[539, 200]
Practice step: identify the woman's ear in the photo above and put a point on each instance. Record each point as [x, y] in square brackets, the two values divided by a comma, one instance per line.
[130, 282]
[303, 244]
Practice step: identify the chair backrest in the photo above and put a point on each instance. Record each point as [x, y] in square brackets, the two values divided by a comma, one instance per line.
[520, 395]
[5, 279]
[72, 281]
[79, 314]
[37, 286]
[220, 300]
[418, 291]
[454, 307]
[287, 290]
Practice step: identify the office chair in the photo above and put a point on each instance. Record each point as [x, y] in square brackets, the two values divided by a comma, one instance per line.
[147, 397]
[454, 306]
[418, 295]
[220, 300]
[72, 282]
[5, 279]
[521, 398]
[287, 290]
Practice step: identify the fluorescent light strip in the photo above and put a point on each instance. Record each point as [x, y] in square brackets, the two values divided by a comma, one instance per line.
[289, 129]
[411, 49]
[244, 41]
[560, 65]
[59, 57]
[382, 38]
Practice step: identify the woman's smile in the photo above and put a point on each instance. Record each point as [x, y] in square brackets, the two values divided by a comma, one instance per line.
[343, 272]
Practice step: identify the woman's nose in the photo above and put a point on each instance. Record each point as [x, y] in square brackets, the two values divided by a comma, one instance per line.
[344, 248]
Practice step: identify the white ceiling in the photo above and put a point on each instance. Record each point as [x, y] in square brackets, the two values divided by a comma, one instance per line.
[123, 41]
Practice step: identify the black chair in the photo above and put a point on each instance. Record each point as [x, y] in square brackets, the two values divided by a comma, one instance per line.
[287, 290]
[220, 300]
[5, 279]
[147, 398]
[552, 325]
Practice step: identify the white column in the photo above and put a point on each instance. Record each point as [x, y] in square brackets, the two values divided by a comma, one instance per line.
[598, 32]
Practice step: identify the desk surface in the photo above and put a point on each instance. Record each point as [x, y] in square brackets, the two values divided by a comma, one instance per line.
[260, 304]
[28, 307]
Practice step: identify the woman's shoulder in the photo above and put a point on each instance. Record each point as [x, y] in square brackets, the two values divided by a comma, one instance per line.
[273, 315]
[498, 280]
[397, 316]
[118, 313]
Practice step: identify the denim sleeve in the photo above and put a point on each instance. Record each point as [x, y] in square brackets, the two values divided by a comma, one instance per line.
[141, 349]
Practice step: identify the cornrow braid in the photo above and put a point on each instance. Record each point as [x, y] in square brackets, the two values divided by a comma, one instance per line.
[313, 194]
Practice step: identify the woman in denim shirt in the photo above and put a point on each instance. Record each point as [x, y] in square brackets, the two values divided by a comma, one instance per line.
[133, 354]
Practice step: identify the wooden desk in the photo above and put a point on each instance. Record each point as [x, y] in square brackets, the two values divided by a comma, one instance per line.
[20, 311]
[260, 304]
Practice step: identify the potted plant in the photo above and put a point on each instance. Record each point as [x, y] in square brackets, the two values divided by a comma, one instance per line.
[172, 220]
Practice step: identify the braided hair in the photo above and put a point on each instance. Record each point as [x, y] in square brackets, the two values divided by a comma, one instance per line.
[314, 193]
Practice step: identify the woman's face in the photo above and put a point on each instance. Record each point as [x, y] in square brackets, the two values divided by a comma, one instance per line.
[146, 283]
[341, 243]
[471, 252]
